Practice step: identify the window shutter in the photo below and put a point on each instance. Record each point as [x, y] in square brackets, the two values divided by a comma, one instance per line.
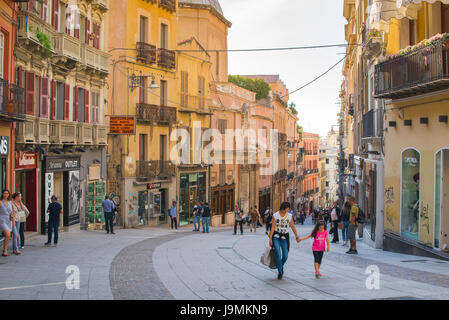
[86, 106]
[66, 101]
[53, 100]
[31, 5]
[87, 30]
[29, 84]
[96, 31]
[67, 20]
[55, 16]
[44, 97]
[44, 10]
[77, 25]
[75, 104]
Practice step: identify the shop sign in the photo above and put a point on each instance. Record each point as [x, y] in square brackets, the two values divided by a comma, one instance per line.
[26, 160]
[151, 186]
[62, 164]
[4, 146]
[49, 187]
[122, 125]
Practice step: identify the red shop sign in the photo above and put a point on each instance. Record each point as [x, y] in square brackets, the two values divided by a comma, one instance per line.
[26, 160]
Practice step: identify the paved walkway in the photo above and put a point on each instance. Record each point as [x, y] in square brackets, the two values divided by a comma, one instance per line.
[157, 264]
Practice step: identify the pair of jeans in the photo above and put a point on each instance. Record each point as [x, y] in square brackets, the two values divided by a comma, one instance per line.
[196, 223]
[15, 236]
[345, 231]
[22, 233]
[53, 226]
[109, 221]
[281, 247]
[335, 225]
[175, 222]
[241, 226]
[205, 221]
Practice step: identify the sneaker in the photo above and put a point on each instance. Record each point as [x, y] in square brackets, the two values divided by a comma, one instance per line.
[47, 243]
[352, 252]
[112, 232]
[317, 275]
[279, 276]
[55, 245]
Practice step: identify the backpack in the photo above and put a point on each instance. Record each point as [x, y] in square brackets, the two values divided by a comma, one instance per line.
[361, 216]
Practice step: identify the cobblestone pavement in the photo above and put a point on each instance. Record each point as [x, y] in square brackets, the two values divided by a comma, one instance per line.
[154, 263]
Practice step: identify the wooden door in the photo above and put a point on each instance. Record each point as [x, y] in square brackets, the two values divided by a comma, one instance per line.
[445, 202]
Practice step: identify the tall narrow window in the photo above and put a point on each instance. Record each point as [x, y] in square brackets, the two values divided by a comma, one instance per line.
[68, 19]
[163, 93]
[60, 100]
[87, 31]
[143, 142]
[201, 93]
[44, 10]
[95, 107]
[143, 29]
[29, 87]
[143, 90]
[184, 88]
[412, 32]
[55, 15]
[444, 18]
[163, 147]
[96, 35]
[164, 35]
[2, 53]
[410, 194]
[44, 97]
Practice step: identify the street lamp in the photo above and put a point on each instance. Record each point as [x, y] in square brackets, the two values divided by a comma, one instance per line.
[138, 82]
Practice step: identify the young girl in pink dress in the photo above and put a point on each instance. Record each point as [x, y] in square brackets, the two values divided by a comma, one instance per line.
[320, 242]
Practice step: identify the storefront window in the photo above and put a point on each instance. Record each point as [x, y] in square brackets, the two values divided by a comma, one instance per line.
[437, 198]
[410, 194]
[96, 192]
[192, 189]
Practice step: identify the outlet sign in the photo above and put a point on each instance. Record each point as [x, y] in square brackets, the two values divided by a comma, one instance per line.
[4, 146]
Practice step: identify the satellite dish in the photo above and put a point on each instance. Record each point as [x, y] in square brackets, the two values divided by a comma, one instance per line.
[245, 107]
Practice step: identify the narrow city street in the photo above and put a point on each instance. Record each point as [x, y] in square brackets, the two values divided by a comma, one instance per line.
[161, 264]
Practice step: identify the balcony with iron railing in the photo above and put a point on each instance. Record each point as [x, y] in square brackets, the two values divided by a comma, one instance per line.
[155, 169]
[166, 58]
[12, 101]
[146, 53]
[169, 5]
[420, 70]
[161, 115]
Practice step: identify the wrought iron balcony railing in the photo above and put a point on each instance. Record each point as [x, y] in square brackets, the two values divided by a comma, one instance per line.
[146, 52]
[169, 5]
[422, 70]
[155, 169]
[166, 58]
[156, 114]
[12, 101]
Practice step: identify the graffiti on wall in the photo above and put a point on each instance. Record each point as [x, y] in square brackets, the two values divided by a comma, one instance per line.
[389, 195]
[390, 214]
[390, 199]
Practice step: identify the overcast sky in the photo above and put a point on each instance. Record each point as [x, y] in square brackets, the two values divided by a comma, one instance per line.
[286, 23]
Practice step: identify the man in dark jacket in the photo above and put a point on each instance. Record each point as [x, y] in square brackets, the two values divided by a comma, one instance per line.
[336, 219]
[205, 215]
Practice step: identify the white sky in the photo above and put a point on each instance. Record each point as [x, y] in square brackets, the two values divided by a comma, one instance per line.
[286, 23]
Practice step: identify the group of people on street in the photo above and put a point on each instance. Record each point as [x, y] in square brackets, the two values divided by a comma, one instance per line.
[13, 215]
[253, 216]
[201, 215]
[346, 219]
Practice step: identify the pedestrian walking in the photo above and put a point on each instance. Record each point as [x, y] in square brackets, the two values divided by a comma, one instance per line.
[302, 218]
[21, 214]
[6, 219]
[255, 218]
[54, 211]
[238, 219]
[173, 216]
[268, 221]
[320, 242]
[353, 225]
[345, 214]
[279, 236]
[205, 217]
[108, 208]
[336, 219]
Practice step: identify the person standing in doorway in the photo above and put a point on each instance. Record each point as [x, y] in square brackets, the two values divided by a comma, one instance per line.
[173, 216]
[197, 216]
[205, 217]
[279, 235]
[6, 218]
[54, 211]
[108, 208]
[336, 219]
[353, 225]
[238, 219]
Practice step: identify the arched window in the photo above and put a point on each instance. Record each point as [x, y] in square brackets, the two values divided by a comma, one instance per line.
[410, 196]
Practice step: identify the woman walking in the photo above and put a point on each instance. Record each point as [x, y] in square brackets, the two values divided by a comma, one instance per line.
[279, 236]
[6, 220]
[21, 214]
[345, 220]
[320, 240]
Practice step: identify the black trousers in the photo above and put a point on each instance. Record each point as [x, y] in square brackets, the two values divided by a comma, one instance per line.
[109, 221]
[268, 226]
[335, 238]
[22, 233]
[241, 226]
[174, 221]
